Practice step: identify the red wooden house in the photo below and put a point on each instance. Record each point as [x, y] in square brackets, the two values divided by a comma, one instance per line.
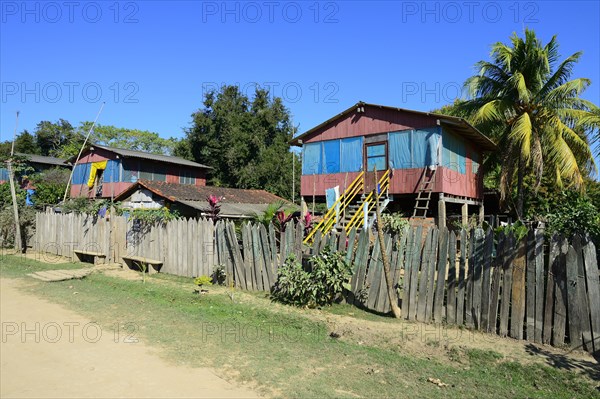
[105, 172]
[420, 158]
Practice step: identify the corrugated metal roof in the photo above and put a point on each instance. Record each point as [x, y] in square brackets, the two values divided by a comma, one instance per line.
[44, 160]
[459, 125]
[153, 157]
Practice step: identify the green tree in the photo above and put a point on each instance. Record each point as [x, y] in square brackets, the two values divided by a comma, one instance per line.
[525, 99]
[26, 143]
[245, 140]
[130, 139]
[58, 139]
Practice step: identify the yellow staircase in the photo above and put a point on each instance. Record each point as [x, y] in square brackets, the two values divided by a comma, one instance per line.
[356, 215]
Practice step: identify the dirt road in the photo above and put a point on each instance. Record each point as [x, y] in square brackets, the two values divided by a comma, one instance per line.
[48, 351]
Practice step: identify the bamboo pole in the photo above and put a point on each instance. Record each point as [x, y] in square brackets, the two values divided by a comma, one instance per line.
[18, 243]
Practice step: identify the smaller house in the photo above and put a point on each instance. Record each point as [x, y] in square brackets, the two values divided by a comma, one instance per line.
[106, 172]
[190, 200]
[39, 163]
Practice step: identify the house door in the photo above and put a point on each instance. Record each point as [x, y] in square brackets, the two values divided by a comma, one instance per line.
[376, 159]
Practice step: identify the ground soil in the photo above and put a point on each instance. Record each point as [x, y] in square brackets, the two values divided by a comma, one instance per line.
[62, 357]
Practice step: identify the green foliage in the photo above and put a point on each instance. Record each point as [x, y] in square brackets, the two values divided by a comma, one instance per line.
[394, 223]
[154, 216]
[270, 213]
[327, 276]
[524, 99]
[245, 140]
[6, 198]
[131, 139]
[219, 275]
[57, 139]
[87, 205]
[203, 281]
[7, 225]
[48, 193]
[518, 229]
[573, 213]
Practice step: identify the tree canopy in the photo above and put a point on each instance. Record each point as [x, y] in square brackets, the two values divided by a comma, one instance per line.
[245, 140]
[60, 139]
[525, 99]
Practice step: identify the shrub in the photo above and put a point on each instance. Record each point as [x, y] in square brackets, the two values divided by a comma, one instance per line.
[321, 283]
[394, 223]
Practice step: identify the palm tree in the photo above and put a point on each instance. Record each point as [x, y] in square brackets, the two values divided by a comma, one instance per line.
[540, 121]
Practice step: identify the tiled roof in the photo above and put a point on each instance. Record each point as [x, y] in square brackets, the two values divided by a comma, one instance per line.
[236, 202]
[189, 192]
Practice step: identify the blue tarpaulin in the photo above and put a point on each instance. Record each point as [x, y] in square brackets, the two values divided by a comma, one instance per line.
[400, 145]
[111, 173]
[352, 154]
[331, 156]
[454, 153]
[3, 174]
[414, 148]
[311, 159]
[81, 173]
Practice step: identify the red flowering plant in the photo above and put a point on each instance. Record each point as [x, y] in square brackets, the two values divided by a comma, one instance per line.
[282, 220]
[214, 207]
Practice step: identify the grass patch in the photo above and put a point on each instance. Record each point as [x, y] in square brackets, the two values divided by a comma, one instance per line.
[280, 349]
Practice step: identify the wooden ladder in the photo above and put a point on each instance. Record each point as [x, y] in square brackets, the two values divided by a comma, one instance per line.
[424, 194]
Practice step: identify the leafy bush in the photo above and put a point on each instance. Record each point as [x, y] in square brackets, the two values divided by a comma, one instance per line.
[321, 283]
[203, 281]
[518, 229]
[394, 223]
[219, 275]
[7, 226]
[48, 193]
[573, 213]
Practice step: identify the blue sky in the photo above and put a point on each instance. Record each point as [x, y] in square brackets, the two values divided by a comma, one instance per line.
[151, 61]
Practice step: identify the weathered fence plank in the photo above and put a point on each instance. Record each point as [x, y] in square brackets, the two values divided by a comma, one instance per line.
[452, 281]
[539, 284]
[593, 286]
[495, 290]
[431, 275]
[507, 277]
[518, 292]
[573, 304]
[582, 299]
[441, 274]
[359, 267]
[414, 272]
[460, 299]
[477, 276]
[486, 279]
[424, 274]
[560, 295]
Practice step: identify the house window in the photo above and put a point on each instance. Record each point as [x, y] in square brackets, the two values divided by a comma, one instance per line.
[186, 177]
[376, 156]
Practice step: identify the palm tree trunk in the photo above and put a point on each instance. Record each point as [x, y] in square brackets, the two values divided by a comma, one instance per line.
[520, 194]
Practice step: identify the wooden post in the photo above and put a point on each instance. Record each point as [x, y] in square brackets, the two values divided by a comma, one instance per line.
[465, 215]
[481, 214]
[441, 212]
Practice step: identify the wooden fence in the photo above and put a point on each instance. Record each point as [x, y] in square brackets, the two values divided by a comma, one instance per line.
[544, 292]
